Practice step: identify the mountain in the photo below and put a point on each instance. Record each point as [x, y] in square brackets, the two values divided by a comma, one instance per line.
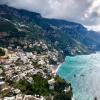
[18, 26]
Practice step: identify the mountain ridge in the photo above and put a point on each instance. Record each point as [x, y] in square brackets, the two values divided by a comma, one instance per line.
[70, 37]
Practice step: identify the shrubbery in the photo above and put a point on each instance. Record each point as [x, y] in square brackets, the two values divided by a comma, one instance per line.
[2, 52]
[38, 86]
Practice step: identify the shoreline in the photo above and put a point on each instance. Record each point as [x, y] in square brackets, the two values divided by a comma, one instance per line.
[56, 68]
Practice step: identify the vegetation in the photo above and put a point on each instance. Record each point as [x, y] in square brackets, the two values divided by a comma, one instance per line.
[37, 49]
[31, 26]
[2, 52]
[59, 88]
[62, 96]
[35, 64]
[60, 84]
[6, 93]
[38, 86]
[19, 62]
[1, 67]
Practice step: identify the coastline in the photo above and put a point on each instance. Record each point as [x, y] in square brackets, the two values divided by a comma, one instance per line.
[58, 68]
[55, 69]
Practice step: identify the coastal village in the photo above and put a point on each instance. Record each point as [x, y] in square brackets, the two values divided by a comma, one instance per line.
[35, 39]
[20, 65]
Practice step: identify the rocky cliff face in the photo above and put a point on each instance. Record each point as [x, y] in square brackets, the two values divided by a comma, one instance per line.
[69, 37]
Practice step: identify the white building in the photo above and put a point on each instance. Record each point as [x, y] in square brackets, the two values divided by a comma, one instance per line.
[51, 83]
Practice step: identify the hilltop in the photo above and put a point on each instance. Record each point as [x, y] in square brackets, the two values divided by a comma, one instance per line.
[18, 26]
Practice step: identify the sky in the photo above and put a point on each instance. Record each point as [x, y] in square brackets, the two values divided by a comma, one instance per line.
[86, 12]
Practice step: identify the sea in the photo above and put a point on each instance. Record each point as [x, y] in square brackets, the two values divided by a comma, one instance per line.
[83, 72]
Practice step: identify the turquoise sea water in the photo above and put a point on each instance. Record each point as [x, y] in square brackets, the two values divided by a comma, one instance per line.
[84, 74]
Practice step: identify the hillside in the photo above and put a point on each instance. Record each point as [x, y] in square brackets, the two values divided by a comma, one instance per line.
[18, 26]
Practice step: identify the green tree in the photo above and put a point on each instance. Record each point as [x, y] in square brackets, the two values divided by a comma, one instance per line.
[2, 52]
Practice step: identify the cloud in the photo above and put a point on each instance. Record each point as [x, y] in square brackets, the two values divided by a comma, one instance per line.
[86, 12]
[94, 27]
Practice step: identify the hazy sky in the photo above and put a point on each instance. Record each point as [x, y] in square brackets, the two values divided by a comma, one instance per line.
[86, 12]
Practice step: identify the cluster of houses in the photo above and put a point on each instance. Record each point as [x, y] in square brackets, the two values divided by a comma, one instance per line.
[19, 65]
[24, 97]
